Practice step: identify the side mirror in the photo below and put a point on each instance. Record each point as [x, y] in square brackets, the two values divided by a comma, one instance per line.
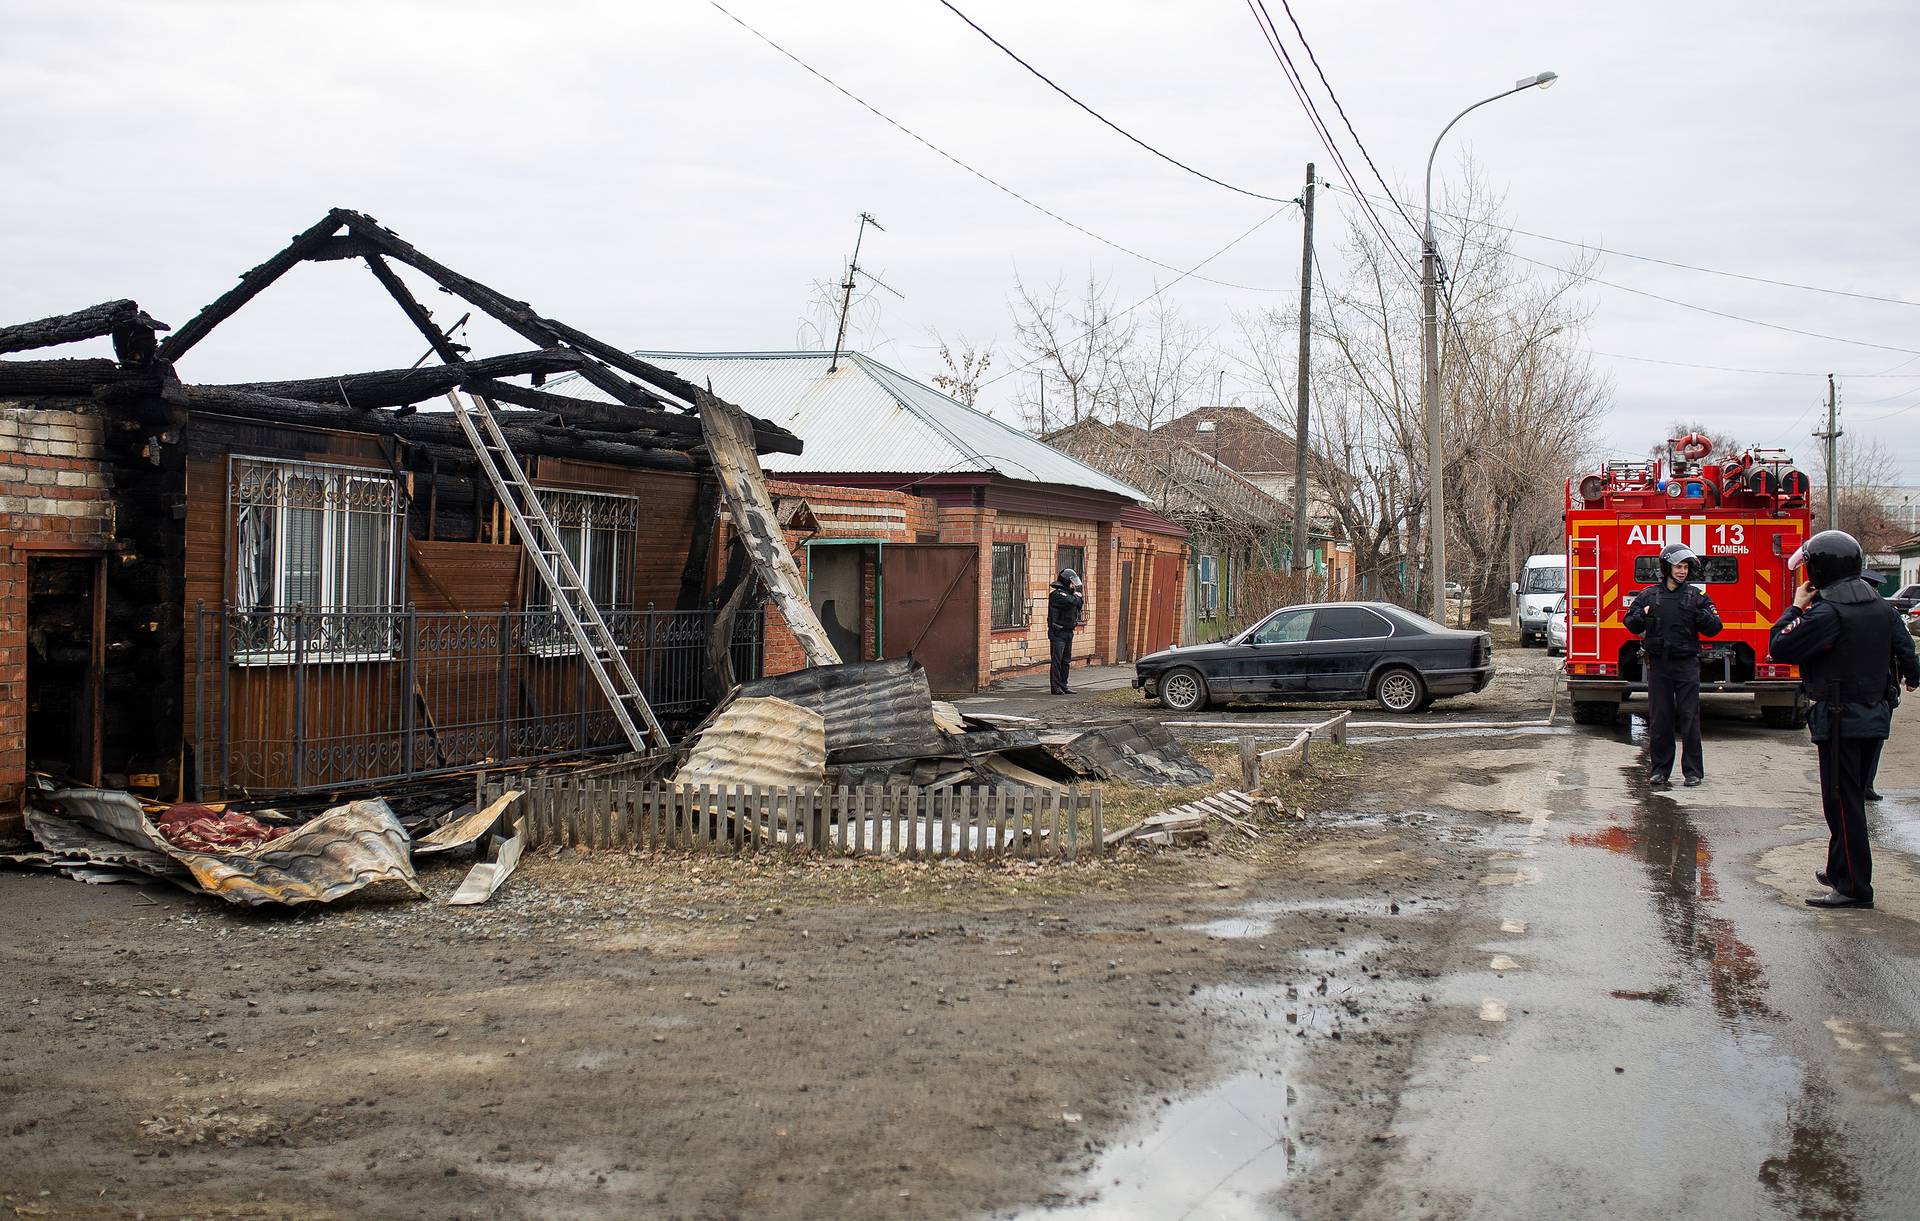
[1513, 587]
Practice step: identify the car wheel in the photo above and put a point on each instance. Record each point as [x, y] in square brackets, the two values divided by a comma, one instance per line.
[1400, 690]
[1183, 690]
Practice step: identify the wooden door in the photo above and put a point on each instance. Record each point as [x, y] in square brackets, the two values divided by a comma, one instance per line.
[1160, 597]
[930, 611]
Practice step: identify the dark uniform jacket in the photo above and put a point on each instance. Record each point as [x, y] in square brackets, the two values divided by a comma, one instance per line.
[1842, 644]
[1671, 621]
[1063, 610]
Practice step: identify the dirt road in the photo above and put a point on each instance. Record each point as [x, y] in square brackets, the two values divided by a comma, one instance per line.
[1291, 1027]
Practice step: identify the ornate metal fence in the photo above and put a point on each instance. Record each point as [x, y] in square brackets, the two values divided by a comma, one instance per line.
[299, 701]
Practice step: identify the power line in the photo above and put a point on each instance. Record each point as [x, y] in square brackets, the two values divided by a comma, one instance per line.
[1112, 318]
[1053, 85]
[1358, 143]
[1686, 364]
[1264, 20]
[1710, 271]
[982, 175]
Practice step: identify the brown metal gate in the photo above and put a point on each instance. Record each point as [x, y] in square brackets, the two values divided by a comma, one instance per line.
[930, 611]
[1123, 650]
[1160, 594]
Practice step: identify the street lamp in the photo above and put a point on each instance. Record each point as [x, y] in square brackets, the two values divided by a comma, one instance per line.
[1430, 360]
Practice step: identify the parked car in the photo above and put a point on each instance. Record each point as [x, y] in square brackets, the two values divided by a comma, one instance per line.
[1913, 622]
[1557, 630]
[1905, 599]
[1542, 581]
[1325, 651]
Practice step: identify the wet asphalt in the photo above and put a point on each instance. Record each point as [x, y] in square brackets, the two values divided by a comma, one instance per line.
[1638, 1016]
[1665, 1028]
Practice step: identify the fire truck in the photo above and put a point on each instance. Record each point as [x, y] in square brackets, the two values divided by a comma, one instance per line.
[1742, 516]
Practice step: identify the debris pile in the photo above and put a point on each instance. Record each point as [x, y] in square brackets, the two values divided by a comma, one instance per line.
[1189, 823]
[882, 726]
[359, 848]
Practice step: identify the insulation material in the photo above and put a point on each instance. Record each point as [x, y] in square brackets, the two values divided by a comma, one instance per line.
[759, 741]
[729, 435]
[200, 828]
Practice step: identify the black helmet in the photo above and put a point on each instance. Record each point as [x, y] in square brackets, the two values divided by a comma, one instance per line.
[1677, 553]
[1067, 577]
[1828, 557]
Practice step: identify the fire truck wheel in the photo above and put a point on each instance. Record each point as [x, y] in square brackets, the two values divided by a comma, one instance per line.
[1400, 690]
[1783, 716]
[1595, 712]
[1183, 690]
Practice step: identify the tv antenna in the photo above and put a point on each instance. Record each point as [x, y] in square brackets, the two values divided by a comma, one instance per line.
[846, 287]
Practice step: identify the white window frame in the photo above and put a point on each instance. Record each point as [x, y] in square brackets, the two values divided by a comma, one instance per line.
[538, 599]
[334, 539]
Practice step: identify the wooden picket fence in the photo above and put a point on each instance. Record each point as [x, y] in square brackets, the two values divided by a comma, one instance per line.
[615, 812]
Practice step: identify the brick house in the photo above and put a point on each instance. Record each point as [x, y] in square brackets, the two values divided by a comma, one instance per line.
[944, 525]
[308, 588]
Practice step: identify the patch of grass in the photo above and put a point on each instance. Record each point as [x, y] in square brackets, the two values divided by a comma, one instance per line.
[1123, 697]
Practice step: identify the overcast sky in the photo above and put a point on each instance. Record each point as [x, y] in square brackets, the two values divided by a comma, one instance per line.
[656, 174]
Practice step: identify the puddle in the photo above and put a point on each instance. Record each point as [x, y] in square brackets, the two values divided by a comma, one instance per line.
[1257, 920]
[1224, 1151]
[1896, 820]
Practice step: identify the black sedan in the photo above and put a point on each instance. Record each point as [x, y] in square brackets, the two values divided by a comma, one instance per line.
[1327, 651]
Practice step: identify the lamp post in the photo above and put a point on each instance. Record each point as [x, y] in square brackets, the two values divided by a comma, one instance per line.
[1430, 362]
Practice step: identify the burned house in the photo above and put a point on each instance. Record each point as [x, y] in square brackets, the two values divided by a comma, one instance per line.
[308, 587]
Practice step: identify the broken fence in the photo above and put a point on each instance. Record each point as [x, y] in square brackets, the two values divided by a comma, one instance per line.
[964, 823]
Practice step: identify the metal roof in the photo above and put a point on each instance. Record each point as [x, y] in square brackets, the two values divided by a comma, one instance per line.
[864, 418]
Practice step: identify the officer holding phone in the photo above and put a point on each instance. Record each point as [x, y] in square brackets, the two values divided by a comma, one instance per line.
[1841, 632]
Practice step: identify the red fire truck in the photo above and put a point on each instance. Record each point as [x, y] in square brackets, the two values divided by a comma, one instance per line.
[1742, 516]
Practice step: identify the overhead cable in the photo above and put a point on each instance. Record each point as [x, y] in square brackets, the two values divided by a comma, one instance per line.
[1157, 292]
[982, 175]
[1057, 88]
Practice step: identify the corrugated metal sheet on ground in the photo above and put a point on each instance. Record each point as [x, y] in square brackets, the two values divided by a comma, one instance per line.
[872, 709]
[866, 418]
[347, 850]
[760, 740]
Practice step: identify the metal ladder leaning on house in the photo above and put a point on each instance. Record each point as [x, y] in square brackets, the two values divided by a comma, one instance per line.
[556, 571]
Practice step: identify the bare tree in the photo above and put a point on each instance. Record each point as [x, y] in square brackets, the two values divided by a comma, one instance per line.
[964, 369]
[819, 323]
[1863, 471]
[1161, 370]
[1076, 348]
[1520, 404]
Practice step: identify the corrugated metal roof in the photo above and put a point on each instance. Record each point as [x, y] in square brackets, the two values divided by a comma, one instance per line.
[865, 418]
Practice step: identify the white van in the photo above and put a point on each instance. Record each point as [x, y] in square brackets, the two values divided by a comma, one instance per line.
[1542, 582]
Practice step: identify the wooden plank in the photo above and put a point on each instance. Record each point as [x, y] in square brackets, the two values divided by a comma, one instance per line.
[1073, 825]
[604, 792]
[1099, 844]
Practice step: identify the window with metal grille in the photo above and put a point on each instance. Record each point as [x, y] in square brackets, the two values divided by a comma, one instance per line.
[598, 531]
[1010, 585]
[1207, 572]
[315, 558]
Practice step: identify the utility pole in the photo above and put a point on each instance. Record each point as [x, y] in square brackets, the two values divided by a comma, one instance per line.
[1832, 437]
[846, 288]
[1300, 433]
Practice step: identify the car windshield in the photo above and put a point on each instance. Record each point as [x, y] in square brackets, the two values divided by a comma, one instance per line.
[1544, 581]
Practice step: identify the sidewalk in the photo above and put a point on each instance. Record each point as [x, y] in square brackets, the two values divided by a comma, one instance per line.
[1082, 679]
[1027, 695]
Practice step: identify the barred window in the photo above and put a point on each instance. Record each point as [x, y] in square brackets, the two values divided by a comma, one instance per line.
[315, 551]
[598, 531]
[1009, 585]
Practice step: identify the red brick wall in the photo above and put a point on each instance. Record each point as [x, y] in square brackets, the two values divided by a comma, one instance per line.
[54, 492]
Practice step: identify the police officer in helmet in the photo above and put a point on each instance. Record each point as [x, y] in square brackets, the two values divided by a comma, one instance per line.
[1670, 618]
[1841, 634]
[1066, 607]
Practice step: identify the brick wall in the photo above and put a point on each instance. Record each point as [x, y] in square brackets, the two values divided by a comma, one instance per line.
[1022, 648]
[54, 492]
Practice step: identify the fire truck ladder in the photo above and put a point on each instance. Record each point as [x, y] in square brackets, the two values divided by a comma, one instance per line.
[556, 571]
[1583, 602]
